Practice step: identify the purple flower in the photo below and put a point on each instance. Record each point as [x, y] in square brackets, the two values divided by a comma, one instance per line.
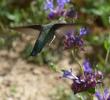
[87, 67]
[83, 82]
[69, 74]
[69, 40]
[61, 3]
[99, 96]
[49, 5]
[105, 96]
[72, 41]
[55, 11]
[83, 31]
[51, 15]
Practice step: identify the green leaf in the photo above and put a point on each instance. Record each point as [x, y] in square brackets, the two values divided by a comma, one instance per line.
[107, 44]
[91, 90]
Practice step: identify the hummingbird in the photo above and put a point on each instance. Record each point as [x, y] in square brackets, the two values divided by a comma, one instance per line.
[46, 33]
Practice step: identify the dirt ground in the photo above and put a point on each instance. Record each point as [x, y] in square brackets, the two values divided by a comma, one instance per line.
[20, 80]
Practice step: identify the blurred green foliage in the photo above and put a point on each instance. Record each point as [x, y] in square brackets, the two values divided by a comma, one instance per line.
[107, 43]
[11, 12]
[99, 9]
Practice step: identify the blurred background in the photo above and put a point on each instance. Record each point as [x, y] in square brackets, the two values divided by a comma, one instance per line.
[35, 78]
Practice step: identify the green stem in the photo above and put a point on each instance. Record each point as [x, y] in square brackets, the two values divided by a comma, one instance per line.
[73, 54]
[102, 89]
[107, 56]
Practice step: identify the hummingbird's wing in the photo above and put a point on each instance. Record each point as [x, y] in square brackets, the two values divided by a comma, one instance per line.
[62, 28]
[32, 29]
[42, 37]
